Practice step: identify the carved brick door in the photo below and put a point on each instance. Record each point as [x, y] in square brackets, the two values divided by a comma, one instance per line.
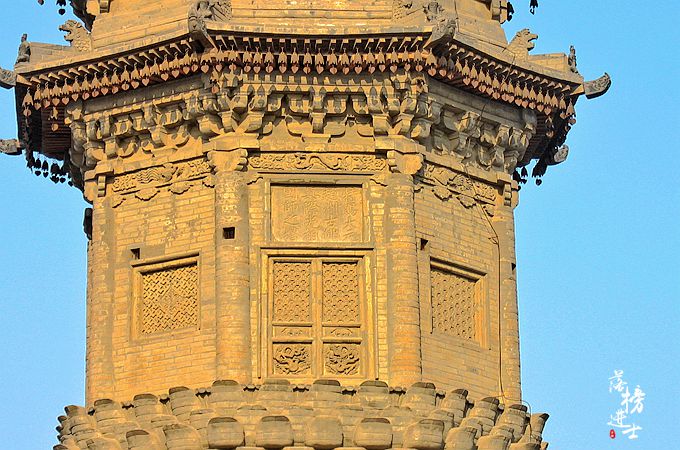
[317, 312]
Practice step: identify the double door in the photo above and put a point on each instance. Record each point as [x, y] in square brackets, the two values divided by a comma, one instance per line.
[316, 314]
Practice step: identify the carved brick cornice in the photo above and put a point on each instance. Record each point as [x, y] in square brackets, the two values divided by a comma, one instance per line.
[317, 162]
[145, 184]
[313, 116]
[449, 62]
[259, 105]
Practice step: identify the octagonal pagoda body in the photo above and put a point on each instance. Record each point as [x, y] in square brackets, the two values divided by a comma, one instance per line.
[289, 191]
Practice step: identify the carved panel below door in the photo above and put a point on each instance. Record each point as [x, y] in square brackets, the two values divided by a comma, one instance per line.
[317, 311]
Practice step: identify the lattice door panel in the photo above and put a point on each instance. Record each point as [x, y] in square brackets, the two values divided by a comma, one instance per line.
[291, 318]
[341, 318]
[317, 310]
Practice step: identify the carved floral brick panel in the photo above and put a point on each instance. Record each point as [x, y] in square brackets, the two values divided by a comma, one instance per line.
[169, 299]
[292, 359]
[342, 359]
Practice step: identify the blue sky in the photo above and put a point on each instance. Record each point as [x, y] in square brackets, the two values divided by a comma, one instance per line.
[597, 242]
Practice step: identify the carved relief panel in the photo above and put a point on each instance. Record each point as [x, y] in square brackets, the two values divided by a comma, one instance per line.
[166, 297]
[317, 317]
[316, 213]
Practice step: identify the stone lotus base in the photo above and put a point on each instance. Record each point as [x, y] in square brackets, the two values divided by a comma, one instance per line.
[281, 415]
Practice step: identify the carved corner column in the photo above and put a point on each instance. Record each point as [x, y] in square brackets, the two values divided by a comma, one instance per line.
[99, 379]
[403, 306]
[509, 319]
[233, 346]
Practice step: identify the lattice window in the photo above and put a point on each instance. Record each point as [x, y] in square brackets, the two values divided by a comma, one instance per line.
[169, 299]
[453, 304]
[317, 317]
[340, 292]
[292, 291]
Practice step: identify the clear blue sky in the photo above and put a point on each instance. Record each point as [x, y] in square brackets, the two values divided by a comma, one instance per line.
[598, 243]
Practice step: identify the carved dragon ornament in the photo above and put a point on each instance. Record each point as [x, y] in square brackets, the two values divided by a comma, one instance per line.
[77, 36]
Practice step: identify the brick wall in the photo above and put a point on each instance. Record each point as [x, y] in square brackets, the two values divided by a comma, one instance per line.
[147, 237]
[458, 239]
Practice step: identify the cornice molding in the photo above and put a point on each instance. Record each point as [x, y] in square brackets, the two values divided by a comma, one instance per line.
[243, 55]
[397, 107]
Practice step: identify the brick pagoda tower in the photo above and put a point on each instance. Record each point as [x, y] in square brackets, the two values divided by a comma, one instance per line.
[301, 232]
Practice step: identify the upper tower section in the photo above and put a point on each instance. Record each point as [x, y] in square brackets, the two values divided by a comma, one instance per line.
[477, 17]
[296, 189]
[125, 45]
[295, 195]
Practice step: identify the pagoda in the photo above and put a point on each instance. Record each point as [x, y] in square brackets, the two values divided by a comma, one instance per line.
[301, 229]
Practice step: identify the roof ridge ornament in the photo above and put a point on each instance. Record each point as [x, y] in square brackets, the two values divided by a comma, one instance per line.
[10, 147]
[522, 43]
[442, 32]
[77, 36]
[597, 88]
[572, 59]
[24, 54]
[8, 78]
[433, 11]
[203, 10]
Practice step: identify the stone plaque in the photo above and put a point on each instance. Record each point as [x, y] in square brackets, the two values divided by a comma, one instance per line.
[317, 213]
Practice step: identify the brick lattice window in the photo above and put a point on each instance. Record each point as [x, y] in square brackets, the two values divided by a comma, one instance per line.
[169, 299]
[453, 304]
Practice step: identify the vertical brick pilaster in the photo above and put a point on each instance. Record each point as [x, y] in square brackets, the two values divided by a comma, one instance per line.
[510, 359]
[403, 310]
[99, 347]
[232, 277]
